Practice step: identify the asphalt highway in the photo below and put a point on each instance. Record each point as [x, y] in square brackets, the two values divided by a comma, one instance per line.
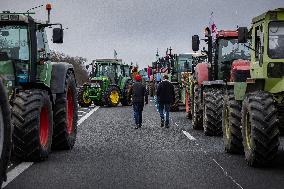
[109, 153]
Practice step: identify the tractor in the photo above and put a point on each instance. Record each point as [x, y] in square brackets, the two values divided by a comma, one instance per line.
[42, 94]
[211, 76]
[110, 83]
[187, 79]
[253, 114]
[167, 65]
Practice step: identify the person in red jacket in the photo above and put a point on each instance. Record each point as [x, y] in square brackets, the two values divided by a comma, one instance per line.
[165, 96]
[139, 93]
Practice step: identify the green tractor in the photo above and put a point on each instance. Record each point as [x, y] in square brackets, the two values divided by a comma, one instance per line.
[110, 83]
[254, 105]
[42, 94]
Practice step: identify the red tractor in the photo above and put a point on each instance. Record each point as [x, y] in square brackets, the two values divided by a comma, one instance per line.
[210, 78]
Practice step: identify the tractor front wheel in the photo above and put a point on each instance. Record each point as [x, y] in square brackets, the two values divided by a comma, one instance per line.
[33, 125]
[175, 105]
[83, 97]
[231, 124]
[66, 116]
[259, 128]
[112, 96]
[196, 110]
[212, 112]
[127, 96]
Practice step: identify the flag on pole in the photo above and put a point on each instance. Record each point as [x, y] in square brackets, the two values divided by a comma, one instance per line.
[212, 26]
[114, 54]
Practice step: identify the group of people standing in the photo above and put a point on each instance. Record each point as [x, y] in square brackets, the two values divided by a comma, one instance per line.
[165, 96]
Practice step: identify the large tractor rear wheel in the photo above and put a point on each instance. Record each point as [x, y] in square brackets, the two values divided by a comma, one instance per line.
[112, 96]
[33, 125]
[66, 116]
[259, 128]
[5, 133]
[83, 97]
[127, 96]
[231, 124]
[197, 112]
[212, 112]
[174, 105]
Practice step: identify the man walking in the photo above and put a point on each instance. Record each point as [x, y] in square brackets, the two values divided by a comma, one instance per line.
[139, 93]
[166, 96]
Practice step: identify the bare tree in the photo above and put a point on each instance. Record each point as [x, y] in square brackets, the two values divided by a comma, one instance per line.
[78, 63]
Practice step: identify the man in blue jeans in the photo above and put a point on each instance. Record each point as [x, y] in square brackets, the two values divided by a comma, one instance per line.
[166, 96]
[138, 92]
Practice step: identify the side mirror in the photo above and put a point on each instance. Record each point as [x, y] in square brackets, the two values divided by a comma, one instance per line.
[195, 43]
[242, 35]
[57, 35]
[87, 67]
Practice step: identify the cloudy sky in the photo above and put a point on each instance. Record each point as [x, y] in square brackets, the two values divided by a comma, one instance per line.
[136, 28]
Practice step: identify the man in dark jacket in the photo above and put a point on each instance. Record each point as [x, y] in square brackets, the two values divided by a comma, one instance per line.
[166, 96]
[139, 92]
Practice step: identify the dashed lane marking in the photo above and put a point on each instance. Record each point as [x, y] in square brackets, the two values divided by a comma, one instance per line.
[11, 175]
[189, 136]
[227, 175]
[87, 115]
[14, 173]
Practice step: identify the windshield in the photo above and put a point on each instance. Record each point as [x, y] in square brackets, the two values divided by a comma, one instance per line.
[105, 70]
[230, 49]
[276, 40]
[14, 42]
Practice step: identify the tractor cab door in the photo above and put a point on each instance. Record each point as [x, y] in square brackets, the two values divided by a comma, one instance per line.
[43, 58]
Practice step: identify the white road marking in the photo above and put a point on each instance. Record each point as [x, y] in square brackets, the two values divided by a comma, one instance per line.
[188, 135]
[80, 111]
[227, 175]
[87, 115]
[11, 175]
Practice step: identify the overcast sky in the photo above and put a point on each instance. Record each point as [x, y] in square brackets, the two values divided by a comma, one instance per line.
[136, 28]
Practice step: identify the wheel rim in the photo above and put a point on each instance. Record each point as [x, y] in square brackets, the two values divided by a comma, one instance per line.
[86, 98]
[226, 123]
[1, 131]
[44, 123]
[114, 97]
[70, 111]
[248, 130]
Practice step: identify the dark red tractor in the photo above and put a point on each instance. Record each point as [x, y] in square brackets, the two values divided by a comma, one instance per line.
[211, 76]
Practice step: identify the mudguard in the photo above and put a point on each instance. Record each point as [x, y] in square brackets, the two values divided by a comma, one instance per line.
[58, 75]
[201, 71]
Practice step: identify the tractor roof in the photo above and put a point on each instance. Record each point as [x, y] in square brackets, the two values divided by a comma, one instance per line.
[227, 33]
[107, 61]
[7, 16]
[272, 13]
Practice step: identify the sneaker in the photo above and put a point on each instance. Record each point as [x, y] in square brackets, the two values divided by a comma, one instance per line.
[140, 125]
[136, 127]
[162, 123]
[167, 126]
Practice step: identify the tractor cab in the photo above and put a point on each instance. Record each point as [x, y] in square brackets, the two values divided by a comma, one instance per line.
[24, 51]
[226, 51]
